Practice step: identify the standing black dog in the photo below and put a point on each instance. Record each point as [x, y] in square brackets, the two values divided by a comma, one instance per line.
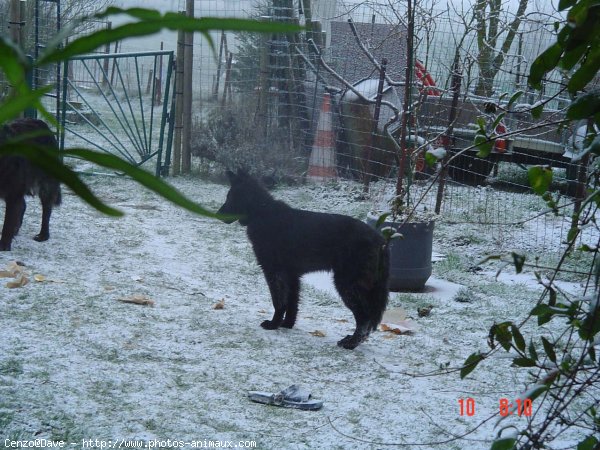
[18, 177]
[290, 242]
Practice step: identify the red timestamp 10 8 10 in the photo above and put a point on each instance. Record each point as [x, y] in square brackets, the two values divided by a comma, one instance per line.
[520, 407]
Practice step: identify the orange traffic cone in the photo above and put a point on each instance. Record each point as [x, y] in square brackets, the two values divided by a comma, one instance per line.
[321, 165]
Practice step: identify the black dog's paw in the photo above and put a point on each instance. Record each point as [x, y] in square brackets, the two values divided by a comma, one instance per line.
[350, 342]
[4, 247]
[269, 325]
[41, 237]
[287, 324]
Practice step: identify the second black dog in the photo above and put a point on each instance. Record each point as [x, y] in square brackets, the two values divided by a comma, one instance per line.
[18, 177]
[290, 242]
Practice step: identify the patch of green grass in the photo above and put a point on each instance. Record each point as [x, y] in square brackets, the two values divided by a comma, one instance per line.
[410, 302]
[452, 262]
[104, 388]
[12, 437]
[11, 367]
[64, 429]
[465, 295]
[6, 418]
[150, 424]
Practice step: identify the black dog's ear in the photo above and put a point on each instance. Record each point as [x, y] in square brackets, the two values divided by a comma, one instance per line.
[242, 173]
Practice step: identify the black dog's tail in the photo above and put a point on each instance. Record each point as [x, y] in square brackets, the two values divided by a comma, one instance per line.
[379, 292]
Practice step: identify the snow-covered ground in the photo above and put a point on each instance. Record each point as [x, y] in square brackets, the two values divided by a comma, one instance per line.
[76, 363]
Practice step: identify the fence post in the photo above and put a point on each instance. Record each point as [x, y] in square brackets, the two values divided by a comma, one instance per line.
[227, 84]
[263, 93]
[178, 102]
[186, 153]
[106, 60]
[219, 64]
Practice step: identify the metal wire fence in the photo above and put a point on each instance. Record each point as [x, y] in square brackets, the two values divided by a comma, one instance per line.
[257, 101]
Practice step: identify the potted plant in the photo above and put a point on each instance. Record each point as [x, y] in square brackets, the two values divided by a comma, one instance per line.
[409, 232]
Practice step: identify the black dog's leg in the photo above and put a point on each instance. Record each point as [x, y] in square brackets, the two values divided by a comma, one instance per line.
[279, 288]
[44, 233]
[12, 221]
[361, 333]
[21, 216]
[292, 302]
[354, 297]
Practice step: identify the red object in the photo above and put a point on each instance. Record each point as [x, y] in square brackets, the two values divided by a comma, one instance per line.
[500, 144]
[426, 79]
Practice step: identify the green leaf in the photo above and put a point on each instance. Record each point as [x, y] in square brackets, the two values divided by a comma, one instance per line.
[430, 159]
[484, 145]
[504, 443]
[589, 443]
[544, 63]
[564, 4]
[586, 72]
[543, 312]
[517, 95]
[53, 166]
[540, 178]
[497, 120]
[584, 106]
[535, 393]
[523, 362]
[573, 233]
[502, 334]
[573, 56]
[13, 106]
[590, 325]
[481, 123]
[518, 261]
[381, 219]
[518, 337]
[139, 13]
[152, 23]
[549, 349]
[552, 294]
[12, 61]
[532, 351]
[470, 364]
[142, 177]
[536, 111]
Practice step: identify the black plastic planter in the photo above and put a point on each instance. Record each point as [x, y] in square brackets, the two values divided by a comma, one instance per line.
[410, 255]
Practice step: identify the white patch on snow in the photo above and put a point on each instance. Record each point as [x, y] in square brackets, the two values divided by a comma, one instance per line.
[440, 289]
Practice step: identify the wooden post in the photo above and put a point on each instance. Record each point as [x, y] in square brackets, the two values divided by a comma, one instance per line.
[263, 93]
[15, 22]
[227, 84]
[112, 72]
[106, 60]
[188, 59]
[219, 64]
[149, 82]
[158, 98]
[176, 164]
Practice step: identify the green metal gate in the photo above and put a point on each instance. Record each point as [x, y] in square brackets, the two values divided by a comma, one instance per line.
[119, 103]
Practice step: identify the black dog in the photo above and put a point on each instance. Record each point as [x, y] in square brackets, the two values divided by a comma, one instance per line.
[18, 177]
[290, 242]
